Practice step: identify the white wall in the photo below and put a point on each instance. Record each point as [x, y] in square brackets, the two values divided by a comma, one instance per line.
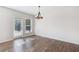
[7, 17]
[61, 23]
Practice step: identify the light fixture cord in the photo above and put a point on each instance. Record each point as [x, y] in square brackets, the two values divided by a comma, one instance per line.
[39, 8]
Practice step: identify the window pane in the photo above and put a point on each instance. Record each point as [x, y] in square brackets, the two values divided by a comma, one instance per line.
[28, 28]
[17, 25]
[28, 22]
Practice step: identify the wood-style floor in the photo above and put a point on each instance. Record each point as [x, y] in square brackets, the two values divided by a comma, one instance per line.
[38, 44]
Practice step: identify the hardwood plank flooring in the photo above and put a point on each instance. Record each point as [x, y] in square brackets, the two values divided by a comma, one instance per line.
[38, 44]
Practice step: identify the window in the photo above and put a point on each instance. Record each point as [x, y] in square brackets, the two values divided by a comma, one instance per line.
[28, 25]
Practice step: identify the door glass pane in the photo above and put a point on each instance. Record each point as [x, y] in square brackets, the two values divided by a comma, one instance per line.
[17, 25]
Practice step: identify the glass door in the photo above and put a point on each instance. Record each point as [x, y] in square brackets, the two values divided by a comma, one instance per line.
[18, 28]
[22, 27]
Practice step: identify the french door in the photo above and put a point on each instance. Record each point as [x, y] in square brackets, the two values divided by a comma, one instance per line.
[22, 27]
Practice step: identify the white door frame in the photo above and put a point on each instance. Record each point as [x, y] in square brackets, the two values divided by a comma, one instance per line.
[23, 29]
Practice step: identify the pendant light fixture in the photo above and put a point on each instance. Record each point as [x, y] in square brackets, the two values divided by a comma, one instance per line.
[39, 14]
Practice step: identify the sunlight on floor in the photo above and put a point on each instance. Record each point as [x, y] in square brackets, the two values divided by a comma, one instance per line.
[20, 44]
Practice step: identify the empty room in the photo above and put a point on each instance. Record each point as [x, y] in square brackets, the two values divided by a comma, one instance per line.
[39, 29]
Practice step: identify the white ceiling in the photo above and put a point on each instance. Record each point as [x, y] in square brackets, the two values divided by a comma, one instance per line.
[27, 9]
